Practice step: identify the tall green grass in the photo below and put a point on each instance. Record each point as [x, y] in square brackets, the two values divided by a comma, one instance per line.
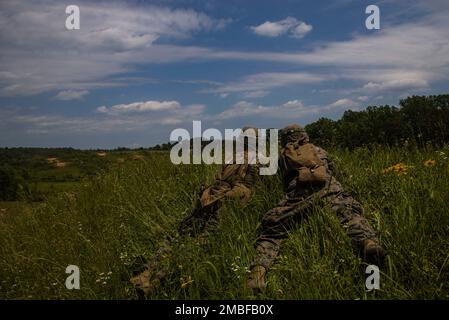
[108, 223]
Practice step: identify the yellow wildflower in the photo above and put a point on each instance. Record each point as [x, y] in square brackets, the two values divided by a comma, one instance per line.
[186, 282]
[399, 169]
[429, 163]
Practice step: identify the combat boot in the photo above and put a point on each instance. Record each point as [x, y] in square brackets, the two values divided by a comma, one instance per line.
[256, 279]
[373, 252]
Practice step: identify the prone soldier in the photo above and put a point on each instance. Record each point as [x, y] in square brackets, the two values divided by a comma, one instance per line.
[234, 181]
[308, 179]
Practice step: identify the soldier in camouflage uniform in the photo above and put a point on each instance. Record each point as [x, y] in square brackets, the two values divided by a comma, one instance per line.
[234, 181]
[308, 180]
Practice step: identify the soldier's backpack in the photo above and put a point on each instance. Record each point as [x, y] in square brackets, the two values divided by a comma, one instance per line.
[304, 158]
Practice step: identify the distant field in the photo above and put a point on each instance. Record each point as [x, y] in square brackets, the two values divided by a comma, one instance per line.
[111, 220]
[49, 171]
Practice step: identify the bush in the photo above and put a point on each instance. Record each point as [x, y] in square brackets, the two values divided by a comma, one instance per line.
[12, 184]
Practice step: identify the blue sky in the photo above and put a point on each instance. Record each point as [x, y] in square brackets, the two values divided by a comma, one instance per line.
[136, 70]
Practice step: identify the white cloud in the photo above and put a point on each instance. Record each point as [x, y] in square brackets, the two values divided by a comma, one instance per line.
[293, 104]
[71, 95]
[257, 85]
[363, 98]
[138, 107]
[396, 84]
[343, 103]
[294, 27]
[288, 110]
[301, 30]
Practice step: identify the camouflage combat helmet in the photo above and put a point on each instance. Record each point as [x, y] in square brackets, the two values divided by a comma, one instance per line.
[294, 133]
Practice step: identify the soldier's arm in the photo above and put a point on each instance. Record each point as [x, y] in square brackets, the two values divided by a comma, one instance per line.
[283, 170]
[251, 176]
[324, 156]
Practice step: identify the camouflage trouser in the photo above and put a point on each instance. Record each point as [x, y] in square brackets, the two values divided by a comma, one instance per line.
[202, 221]
[278, 221]
[204, 218]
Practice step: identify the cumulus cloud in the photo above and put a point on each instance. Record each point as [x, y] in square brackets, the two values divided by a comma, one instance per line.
[363, 98]
[137, 107]
[294, 104]
[71, 95]
[343, 103]
[289, 25]
[301, 30]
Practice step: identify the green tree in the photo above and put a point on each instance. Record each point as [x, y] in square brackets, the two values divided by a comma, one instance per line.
[323, 132]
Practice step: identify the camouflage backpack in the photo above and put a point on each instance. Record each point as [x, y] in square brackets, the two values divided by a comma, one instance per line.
[304, 158]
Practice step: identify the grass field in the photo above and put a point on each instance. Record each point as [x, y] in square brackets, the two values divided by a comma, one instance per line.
[104, 226]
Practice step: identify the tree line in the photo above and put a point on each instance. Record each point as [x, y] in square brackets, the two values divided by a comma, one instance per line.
[417, 120]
